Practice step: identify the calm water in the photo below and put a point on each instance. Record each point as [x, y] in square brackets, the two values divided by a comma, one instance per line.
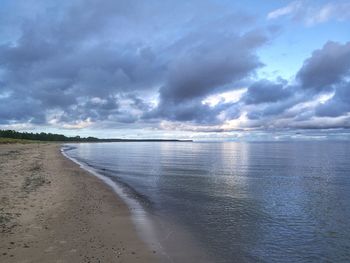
[242, 202]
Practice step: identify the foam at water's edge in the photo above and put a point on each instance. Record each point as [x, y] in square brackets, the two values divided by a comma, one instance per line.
[139, 216]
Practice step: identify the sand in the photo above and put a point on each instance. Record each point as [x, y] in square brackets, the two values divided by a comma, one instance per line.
[53, 211]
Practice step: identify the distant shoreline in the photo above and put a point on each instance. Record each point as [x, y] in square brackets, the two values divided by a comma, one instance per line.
[26, 141]
[141, 140]
[22, 137]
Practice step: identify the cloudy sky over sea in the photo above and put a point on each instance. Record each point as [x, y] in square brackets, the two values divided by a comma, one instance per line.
[176, 69]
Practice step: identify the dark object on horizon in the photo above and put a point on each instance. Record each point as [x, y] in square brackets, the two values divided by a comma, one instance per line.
[62, 138]
[43, 136]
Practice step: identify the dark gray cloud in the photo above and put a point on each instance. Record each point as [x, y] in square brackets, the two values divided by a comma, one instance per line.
[338, 105]
[265, 91]
[212, 64]
[329, 67]
[61, 64]
[326, 71]
[94, 52]
[122, 63]
[326, 67]
[274, 109]
[193, 111]
[21, 110]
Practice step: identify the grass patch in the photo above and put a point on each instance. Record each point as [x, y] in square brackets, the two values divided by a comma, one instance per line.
[33, 182]
[35, 168]
[5, 218]
[7, 222]
[10, 140]
[9, 153]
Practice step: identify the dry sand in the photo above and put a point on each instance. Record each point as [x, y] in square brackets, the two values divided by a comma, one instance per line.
[53, 211]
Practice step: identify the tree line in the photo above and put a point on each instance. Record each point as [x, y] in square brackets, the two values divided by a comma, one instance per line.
[42, 136]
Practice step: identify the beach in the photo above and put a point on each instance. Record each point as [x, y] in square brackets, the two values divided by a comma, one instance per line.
[53, 211]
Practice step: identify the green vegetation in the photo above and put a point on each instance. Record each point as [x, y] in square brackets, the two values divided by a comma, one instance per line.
[33, 182]
[9, 140]
[10, 136]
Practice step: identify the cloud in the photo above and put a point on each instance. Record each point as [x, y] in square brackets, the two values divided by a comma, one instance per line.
[211, 64]
[61, 64]
[265, 91]
[326, 68]
[287, 10]
[312, 15]
[321, 92]
[130, 64]
[102, 61]
[339, 11]
[338, 105]
[78, 125]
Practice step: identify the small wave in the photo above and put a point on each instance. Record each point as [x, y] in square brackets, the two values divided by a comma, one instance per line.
[66, 148]
[128, 189]
[143, 223]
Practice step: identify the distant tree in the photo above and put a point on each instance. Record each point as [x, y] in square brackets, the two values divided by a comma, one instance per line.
[44, 136]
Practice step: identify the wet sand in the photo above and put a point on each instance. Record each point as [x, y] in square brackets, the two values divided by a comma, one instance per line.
[53, 211]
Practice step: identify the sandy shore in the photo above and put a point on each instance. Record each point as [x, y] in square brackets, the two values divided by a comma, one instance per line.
[53, 211]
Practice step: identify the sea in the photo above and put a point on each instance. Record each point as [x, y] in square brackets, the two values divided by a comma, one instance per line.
[231, 201]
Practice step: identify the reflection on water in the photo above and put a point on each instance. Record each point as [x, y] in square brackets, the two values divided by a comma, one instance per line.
[245, 202]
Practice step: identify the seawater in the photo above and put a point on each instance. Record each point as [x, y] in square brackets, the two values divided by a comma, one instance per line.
[239, 202]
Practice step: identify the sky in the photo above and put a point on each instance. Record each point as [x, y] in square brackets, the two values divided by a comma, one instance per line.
[199, 69]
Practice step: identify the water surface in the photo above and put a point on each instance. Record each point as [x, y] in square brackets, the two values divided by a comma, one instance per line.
[241, 202]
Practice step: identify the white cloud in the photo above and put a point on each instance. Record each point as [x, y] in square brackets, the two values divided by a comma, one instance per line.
[287, 10]
[312, 15]
[225, 97]
[337, 11]
[78, 124]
